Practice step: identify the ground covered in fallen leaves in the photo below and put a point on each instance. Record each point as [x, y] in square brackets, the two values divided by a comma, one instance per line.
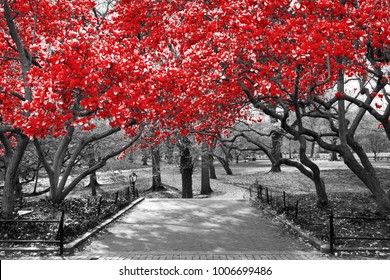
[81, 214]
[366, 222]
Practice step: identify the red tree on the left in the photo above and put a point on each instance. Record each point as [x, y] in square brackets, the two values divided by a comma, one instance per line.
[58, 74]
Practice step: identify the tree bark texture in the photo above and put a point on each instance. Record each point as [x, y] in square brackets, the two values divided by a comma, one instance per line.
[205, 174]
[333, 154]
[12, 177]
[313, 145]
[93, 183]
[322, 197]
[156, 170]
[277, 141]
[186, 168]
[225, 164]
[213, 174]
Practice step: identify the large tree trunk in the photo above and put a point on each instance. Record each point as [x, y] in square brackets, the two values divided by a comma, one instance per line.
[144, 159]
[313, 145]
[12, 177]
[213, 174]
[277, 141]
[186, 168]
[275, 166]
[313, 173]
[225, 165]
[156, 170]
[225, 161]
[93, 183]
[370, 180]
[366, 173]
[364, 170]
[333, 154]
[205, 175]
[322, 197]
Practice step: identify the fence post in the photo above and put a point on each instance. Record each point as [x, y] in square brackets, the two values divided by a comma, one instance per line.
[128, 192]
[250, 192]
[296, 209]
[100, 204]
[331, 232]
[261, 192]
[284, 200]
[116, 197]
[267, 195]
[61, 230]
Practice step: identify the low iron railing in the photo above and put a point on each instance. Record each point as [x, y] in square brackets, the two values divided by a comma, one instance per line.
[275, 198]
[333, 236]
[59, 237]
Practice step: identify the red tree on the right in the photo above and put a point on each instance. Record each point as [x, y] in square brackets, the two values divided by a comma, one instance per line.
[295, 60]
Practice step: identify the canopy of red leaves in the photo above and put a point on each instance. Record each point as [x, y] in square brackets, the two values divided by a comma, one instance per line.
[178, 65]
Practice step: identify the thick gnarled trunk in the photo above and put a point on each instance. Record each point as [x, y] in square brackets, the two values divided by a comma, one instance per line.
[322, 197]
[371, 181]
[61, 183]
[11, 179]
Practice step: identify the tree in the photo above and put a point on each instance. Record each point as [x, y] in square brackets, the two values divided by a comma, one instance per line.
[186, 166]
[225, 158]
[156, 169]
[205, 170]
[213, 174]
[258, 136]
[91, 159]
[12, 158]
[59, 185]
[52, 81]
[303, 93]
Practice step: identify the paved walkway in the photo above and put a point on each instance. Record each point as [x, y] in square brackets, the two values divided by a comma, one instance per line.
[195, 229]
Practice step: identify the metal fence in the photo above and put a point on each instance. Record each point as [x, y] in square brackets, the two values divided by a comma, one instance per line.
[333, 236]
[283, 202]
[97, 204]
[280, 200]
[59, 237]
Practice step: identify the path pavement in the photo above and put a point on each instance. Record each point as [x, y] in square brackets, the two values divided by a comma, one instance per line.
[195, 229]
